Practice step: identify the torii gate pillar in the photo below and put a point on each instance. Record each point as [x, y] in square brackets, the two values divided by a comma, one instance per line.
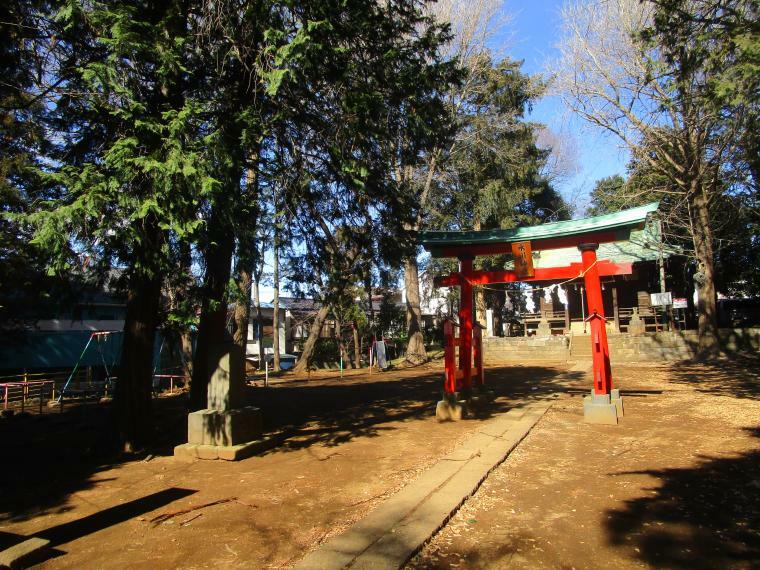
[465, 322]
[604, 405]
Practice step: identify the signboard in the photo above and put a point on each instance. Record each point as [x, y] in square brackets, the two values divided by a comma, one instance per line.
[660, 299]
[523, 259]
[680, 303]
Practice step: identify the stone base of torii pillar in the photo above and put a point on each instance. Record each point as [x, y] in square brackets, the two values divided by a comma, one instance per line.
[603, 408]
[226, 429]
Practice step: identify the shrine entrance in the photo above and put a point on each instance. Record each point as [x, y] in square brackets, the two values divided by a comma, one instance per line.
[464, 382]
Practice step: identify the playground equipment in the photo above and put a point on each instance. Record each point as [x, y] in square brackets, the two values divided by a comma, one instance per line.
[99, 337]
[17, 394]
[604, 404]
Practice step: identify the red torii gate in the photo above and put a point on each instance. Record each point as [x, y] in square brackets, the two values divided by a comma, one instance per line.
[590, 269]
[604, 405]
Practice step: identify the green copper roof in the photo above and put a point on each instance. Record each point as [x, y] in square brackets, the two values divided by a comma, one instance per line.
[634, 217]
[642, 245]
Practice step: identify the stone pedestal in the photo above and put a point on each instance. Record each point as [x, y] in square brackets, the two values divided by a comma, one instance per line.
[544, 328]
[454, 407]
[446, 410]
[599, 409]
[226, 429]
[617, 400]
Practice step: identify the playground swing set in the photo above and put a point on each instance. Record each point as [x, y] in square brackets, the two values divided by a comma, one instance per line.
[100, 338]
[464, 381]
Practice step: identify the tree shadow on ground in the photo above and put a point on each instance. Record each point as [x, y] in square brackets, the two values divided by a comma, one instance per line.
[48, 457]
[298, 415]
[90, 524]
[707, 516]
[738, 376]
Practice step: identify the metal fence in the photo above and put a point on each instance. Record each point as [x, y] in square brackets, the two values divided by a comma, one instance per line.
[27, 395]
[30, 391]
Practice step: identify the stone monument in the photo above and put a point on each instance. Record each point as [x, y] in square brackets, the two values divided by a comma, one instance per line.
[227, 429]
[636, 325]
[544, 328]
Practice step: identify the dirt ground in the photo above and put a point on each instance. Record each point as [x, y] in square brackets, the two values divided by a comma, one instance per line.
[675, 484]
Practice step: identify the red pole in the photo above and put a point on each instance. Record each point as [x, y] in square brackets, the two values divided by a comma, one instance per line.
[465, 322]
[450, 370]
[599, 347]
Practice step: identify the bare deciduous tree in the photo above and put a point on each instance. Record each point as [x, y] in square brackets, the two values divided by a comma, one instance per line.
[562, 162]
[652, 101]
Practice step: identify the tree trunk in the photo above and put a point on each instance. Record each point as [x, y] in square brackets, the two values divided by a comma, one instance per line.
[415, 348]
[705, 278]
[341, 345]
[183, 293]
[276, 299]
[186, 347]
[246, 257]
[213, 322]
[480, 296]
[259, 317]
[499, 300]
[357, 346]
[308, 348]
[134, 386]
[480, 306]
[242, 308]
[370, 307]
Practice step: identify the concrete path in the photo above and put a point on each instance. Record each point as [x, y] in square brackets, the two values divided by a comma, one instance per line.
[391, 534]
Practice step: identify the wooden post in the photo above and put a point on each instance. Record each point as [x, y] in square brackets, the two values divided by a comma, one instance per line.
[567, 309]
[615, 310]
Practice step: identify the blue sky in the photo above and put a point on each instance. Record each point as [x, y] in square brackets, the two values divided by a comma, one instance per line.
[530, 35]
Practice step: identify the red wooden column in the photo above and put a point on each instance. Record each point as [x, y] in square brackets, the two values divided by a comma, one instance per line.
[465, 322]
[599, 348]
